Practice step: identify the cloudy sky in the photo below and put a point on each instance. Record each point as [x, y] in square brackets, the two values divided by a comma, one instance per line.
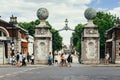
[59, 10]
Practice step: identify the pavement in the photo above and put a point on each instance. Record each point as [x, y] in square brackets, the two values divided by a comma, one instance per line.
[73, 65]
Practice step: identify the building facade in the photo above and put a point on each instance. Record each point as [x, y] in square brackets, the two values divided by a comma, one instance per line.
[13, 39]
[30, 44]
[112, 45]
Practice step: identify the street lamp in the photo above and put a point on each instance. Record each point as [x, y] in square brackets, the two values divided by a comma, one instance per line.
[13, 20]
[66, 26]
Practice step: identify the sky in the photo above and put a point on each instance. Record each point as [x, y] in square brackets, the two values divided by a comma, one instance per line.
[59, 10]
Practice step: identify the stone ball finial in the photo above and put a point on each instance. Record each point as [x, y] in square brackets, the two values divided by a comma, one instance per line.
[42, 13]
[90, 13]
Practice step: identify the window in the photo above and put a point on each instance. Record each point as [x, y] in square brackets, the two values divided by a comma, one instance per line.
[4, 34]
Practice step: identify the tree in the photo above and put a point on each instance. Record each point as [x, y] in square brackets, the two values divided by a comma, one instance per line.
[104, 21]
[56, 38]
[77, 39]
[28, 26]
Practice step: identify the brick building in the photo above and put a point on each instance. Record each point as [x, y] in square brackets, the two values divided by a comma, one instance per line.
[13, 39]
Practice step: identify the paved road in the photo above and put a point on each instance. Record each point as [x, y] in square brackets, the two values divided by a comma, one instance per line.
[76, 72]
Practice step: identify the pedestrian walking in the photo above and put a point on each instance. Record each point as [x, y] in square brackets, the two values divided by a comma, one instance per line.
[65, 60]
[28, 57]
[20, 60]
[32, 59]
[56, 59]
[24, 58]
[13, 60]
[49, 59]
[107, 58]
[62, 60]
[69, 60]
[17, 56]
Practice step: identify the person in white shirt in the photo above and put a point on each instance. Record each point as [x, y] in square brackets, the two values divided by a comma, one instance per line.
[56, 58]
[32, 59]
[107, 58]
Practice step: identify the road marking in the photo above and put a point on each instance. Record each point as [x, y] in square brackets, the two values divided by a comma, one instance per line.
[2, 76]
[18, 72]
[7, 74]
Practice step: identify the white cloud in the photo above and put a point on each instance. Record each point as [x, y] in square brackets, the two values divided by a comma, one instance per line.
[59, 10]
[115, 11]
[102, 9]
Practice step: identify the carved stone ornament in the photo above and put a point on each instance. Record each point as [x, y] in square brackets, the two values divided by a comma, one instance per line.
[90, 31]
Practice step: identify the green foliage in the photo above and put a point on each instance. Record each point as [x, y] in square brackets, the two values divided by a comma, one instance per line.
[56, 38]
[77, 37]
[104, 21]
[28, 26]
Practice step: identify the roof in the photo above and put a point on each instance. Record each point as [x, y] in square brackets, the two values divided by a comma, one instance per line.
[13, 25]
[21, 28]
[113, 28]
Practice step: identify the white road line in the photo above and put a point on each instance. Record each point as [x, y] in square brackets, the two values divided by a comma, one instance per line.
[2, 76]
[7, 74]
[15, 73]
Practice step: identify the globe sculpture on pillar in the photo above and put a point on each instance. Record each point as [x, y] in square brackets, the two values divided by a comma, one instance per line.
[90, 39]
[90, 14]
[42, 13]
[43, 38]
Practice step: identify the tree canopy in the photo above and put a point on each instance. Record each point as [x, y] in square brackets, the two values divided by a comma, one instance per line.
[104, 21]
[56, 38]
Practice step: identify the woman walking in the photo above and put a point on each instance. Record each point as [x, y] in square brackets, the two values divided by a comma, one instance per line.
[69, 59]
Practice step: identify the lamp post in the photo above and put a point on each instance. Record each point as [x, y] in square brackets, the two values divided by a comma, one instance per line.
[12, 22]
[66, 24]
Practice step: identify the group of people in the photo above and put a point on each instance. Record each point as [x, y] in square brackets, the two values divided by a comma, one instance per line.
[19, 59]
[65, 59]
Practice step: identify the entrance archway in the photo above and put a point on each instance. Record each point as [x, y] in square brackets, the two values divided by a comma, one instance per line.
[68, 51]
[4, 35]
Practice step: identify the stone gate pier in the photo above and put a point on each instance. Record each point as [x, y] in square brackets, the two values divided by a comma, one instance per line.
[43, 38]
[90, 40]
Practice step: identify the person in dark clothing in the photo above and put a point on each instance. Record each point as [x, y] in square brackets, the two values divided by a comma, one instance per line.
[17, 56]
[69, 59]
[28, 57]
[23, 61]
